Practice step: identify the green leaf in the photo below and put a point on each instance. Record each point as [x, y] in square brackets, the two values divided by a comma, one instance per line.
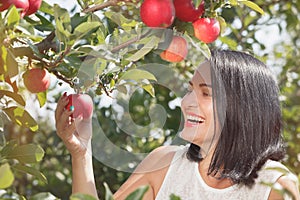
[63, 24]
[122, 89]
[229, 41]
[13, 16]
[150, 89]
[223, 24]
[108, 193]
[174, 197]
[6, 176]
[120, 20]
[28, 153]
[78, 19]
[21, 117]
[137, 74]
[8, 148]
[3, 54]
[45, 24]
[151, 44]
[85, 29]
[12, 65]
[82, 197]
[35, 49]
[233, 2]
[44, 196]
[18, 98]
[46, 8]
[200, 47]
[30, 170]
[252, 5]
[138, 193]
[42, 98]
[197, 3]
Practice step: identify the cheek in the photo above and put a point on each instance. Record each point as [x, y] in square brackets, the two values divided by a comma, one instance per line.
[183, 100]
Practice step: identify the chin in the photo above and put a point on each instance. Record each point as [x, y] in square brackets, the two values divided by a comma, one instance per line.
[191, 135]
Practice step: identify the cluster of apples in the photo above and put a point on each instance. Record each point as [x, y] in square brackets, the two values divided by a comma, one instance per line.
[161, 13]
[37, 79]
[27, 7]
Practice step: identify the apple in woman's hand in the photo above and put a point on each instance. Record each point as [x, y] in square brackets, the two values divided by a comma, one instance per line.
[82, 105]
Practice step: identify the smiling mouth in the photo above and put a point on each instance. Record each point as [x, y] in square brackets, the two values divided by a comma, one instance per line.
[192, 119]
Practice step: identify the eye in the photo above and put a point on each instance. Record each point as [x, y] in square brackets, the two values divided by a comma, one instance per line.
[206, 93]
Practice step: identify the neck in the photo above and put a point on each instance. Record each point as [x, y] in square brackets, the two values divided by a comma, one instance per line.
[210, 180]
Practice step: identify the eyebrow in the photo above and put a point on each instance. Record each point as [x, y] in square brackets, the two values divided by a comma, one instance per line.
[200, 84]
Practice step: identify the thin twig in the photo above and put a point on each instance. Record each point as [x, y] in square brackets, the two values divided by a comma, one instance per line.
[128, 42]
[60, 58]
[101, 6]
[125, 44]
[47, 43]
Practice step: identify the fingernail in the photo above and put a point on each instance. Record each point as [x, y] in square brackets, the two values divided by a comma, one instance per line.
[72, 108]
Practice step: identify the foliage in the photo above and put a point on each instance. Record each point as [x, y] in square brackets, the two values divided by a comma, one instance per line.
[101, 47]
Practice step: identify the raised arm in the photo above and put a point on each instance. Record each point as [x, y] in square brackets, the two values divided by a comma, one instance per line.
[76, 135]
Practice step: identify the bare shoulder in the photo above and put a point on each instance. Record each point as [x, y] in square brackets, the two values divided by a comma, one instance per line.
[288, 184]
[159, 158]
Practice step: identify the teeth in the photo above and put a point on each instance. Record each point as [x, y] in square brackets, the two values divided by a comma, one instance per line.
[194, 119]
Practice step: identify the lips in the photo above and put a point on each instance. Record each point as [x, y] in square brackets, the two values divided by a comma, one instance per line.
[193, 120]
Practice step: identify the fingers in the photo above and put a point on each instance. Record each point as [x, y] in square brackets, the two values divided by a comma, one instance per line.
[67, 132]
[61, 104]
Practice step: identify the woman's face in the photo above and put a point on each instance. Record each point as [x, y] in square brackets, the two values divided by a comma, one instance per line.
[197, 108]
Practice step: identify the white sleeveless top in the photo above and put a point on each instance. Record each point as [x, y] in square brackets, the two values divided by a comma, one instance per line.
[184, 180]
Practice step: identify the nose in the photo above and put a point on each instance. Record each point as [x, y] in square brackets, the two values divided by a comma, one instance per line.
[189, 100]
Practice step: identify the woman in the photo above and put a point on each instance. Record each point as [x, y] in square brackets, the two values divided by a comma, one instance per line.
[233, 122]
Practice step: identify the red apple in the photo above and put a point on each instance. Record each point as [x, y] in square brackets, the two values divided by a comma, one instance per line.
[157, 13]
[36, 80]
[22, 4]
[207, 29]
[83, 105]
[176, 51]
[185, 10]
[34, 5]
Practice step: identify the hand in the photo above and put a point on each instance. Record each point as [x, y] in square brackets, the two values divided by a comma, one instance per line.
[75, 133]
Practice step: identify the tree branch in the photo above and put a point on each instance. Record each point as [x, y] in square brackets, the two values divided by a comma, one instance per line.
[47, 43]
[101, 6]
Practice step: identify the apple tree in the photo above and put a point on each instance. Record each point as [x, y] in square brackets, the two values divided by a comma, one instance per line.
[103, 48]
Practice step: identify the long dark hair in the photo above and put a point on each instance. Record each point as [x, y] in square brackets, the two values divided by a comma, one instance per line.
[250, 110]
